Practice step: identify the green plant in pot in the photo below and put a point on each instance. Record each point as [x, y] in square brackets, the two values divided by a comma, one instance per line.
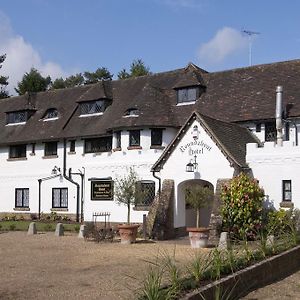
[128, 192]
[198, 197]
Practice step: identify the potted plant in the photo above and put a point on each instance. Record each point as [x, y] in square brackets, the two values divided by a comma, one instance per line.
[127, 192]
[198, 197]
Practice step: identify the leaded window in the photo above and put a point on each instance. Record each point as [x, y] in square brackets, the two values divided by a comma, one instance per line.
[92, 107]
[134, 138]
[147, 189]
[270, 132]
[286, 190]
[50, 148]
[60, 198]
[51, 113]
[102, 144]
[156, 137]
[17, 117]
[132, 112]
[17, 151]
[187, 94]
[22, 197]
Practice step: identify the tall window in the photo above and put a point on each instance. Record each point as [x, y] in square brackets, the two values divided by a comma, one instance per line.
[59, 198]
[134, 138]
[270, 131]
[156, 137]
[22, 198]
[93, 107]
[102, 144]
[17, 151]
[118, 139]
[50, 148]
[72, 146]
[187, 94]
[286, 190]
[147, 188]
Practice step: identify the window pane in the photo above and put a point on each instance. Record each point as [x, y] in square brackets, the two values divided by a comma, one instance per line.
[103, 144]
[64, 197]
[287, 190]
[92, 107]
[19, 202]
[156, 137]
[17, 151]
[26, 197]
[192, 94]
[134, 138]
[17, 117]
[270, 132]
[56, 197]
[148, 191]
[50, 148]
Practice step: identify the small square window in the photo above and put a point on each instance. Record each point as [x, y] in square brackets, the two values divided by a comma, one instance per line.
[50, 148]
[134, 138]
[59, 198]
[17, 151]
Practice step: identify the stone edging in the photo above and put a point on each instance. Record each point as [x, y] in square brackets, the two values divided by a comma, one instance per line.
[258, 275]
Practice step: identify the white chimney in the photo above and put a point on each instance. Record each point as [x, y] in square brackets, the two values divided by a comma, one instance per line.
[279, 115]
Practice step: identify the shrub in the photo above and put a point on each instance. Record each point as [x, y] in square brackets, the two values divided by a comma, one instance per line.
[242, 205]
[33, 217]
[12, 227]
[77, 228]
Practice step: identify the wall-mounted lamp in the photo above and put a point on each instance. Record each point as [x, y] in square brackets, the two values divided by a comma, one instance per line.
[56, 171]
[195, 132]
[192, 165]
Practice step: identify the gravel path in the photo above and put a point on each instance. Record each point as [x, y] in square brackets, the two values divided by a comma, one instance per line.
[48, 267]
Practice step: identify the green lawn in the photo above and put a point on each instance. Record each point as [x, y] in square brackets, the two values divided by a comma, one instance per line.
[41, 226]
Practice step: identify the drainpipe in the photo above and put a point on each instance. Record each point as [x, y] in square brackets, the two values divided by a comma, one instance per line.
[159, 182]
[40, 189]
[278, 115]
[71, 180]
[82, 183]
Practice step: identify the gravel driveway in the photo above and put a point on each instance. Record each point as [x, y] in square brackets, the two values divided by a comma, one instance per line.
[48, 267]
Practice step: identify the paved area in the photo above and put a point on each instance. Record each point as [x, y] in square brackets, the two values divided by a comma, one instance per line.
[48, 267]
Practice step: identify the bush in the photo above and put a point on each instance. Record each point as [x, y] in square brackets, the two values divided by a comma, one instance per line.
[242, 206]
[12, 227]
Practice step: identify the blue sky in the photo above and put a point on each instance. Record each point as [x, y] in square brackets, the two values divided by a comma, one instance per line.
[62, 37]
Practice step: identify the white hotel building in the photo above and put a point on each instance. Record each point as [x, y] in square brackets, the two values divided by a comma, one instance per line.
[58, 147]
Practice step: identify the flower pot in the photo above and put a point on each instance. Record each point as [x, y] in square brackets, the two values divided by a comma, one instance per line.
[198, 236]
[128, 233]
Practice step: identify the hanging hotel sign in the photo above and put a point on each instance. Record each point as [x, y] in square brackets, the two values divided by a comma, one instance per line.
[102, 190]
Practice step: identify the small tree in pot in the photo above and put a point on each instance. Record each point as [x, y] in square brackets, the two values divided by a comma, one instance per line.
[128, 192]
[198, 197]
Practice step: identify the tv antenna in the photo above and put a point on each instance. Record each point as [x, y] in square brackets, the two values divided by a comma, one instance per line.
[250, 35]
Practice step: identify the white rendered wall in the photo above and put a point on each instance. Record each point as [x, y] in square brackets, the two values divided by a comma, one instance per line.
[271, 164]
[212, 165]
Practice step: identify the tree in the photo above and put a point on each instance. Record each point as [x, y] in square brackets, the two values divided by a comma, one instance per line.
[33, 82]
[3, 80]
[137, 68]
[98, 75]
[58, 83]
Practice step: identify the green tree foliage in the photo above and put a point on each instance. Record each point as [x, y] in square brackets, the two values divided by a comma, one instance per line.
[33, 82]
[74, 80]
[3, 80]
[127, 191]
[58, 83]
[137, 68]
[242, 206]
[198, 197]
[98, 75]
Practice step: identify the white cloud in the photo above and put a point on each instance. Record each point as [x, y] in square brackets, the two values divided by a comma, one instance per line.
[21, 57]
[226, 42]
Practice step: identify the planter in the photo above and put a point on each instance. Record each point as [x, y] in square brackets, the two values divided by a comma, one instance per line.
[128, 233]
[198, 236]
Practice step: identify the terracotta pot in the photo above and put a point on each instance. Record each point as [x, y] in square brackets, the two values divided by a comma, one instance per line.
[198, 236]
[128, 233]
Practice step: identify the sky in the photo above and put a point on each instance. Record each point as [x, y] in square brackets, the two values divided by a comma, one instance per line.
[64, 37]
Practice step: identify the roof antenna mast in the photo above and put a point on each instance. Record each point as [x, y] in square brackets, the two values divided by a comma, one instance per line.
[250, 35]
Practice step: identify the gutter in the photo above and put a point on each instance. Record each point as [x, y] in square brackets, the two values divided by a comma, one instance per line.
[71, 180]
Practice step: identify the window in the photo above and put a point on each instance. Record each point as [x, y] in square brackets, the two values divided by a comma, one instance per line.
[287, 131]
[17, 151]
[92, 107]
[59, 198]
[156, 137]
[258, 127]
[32, 149]
[286, 190]
[118, 139]
[22, 198]
[187, 94]
[102, 144]
[270, 131]
[72, 146]
[16, 117]
[50, 148]
[132, 112]
[51, 113]
[147, 188]
[134, 138]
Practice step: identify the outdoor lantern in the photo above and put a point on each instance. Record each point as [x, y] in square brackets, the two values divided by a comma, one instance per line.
[190, 167]
[55, 170]
[195, 132]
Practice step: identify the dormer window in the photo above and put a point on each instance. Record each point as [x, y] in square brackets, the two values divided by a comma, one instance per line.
[132, 112]
[51, 114]
[187, 95]
[17, 117]
[93, 107]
